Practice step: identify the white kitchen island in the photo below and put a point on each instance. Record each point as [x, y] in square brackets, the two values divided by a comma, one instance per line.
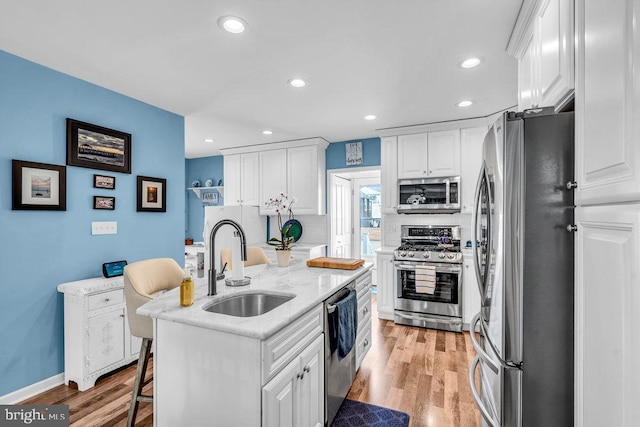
[266, 370]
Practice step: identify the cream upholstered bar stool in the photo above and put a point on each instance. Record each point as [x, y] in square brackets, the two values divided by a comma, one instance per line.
[255, 256]
[143, 280]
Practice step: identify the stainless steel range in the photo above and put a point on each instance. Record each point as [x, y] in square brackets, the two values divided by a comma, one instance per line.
[428, 267]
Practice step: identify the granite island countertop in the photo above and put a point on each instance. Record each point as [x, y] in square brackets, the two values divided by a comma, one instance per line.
[310, 286]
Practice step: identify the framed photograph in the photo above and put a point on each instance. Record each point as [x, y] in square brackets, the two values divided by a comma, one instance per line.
[152, 194]
[95, 147]
[101, 181]
[39, 186]
[101, 202]
[354, 153]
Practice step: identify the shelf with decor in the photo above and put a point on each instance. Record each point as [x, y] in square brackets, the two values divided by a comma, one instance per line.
[198, 190]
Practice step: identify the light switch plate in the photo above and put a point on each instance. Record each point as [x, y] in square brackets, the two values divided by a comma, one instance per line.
[104, 227]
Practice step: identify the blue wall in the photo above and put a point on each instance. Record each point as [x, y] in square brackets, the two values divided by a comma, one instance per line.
[40, 249]
[202, 169]
[336, 154]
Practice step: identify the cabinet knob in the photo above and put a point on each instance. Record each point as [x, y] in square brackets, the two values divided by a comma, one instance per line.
[106, 299]
[306, 369]
[365, 310]
[365, 343]
[571, 185]
[571, 228]
[300, 375]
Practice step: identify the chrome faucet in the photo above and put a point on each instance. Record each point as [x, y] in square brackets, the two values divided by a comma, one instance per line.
[212, 249]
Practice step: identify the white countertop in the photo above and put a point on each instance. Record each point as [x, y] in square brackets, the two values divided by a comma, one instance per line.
[310, 286]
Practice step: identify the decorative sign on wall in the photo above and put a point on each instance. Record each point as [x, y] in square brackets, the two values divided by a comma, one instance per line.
[354, 153]
[210, 198]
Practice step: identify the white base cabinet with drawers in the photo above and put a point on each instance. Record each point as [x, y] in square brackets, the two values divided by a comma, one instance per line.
[363, 335]
[96, 333]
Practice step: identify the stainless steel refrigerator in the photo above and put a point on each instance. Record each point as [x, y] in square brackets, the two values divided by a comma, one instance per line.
[523, 223]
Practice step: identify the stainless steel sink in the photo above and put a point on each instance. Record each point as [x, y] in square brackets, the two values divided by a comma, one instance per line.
[248, 305]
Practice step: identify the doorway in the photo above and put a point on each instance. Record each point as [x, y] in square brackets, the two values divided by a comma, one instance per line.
[355, 214]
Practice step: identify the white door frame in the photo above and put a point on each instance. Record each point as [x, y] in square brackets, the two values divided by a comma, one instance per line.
[351, 174]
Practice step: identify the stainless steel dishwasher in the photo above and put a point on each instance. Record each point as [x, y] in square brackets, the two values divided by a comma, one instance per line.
[338, 374]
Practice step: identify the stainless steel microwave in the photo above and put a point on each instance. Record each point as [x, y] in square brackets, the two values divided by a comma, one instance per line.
[429, 195]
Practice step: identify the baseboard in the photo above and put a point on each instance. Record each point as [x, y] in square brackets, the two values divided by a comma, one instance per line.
[31, 390]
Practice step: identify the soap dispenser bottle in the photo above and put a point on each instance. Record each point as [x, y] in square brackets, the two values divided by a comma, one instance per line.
[187, 290]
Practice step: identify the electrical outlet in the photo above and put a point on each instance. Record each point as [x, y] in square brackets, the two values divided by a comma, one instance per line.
[104, 227]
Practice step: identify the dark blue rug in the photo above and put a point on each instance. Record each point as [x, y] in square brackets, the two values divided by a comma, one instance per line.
[353, 413]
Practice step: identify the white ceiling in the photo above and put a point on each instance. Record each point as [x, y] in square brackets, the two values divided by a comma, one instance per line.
[396, 59]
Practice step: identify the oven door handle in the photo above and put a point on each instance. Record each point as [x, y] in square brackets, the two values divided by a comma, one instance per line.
[411, 267]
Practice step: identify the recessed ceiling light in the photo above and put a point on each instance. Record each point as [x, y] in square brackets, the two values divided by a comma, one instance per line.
[469, 62]
[232, 24]
[266, 132]
[297, 82]
[465, 103]
[370, 117]
[208, 140]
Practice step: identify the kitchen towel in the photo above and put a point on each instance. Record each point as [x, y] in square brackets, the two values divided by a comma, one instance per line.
[425, 279]
[347, 323]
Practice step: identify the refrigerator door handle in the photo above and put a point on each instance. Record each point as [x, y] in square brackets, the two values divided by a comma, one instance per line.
[481, 353]
[477, 209]
[476, 395]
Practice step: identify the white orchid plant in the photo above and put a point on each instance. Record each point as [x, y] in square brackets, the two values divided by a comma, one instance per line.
[282, 206]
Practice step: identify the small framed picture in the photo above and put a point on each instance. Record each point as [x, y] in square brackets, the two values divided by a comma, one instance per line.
[39, 186]
[354, 153]
[152, 194]
[101, 202]
[97, 147]
[102, 181]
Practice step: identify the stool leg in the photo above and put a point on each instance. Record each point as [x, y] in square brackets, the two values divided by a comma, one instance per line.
[145, 351]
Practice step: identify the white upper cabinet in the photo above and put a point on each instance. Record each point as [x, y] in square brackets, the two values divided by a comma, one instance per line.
[432, 154]
[471, 140]
[543, 43]
[607, 102]
[241, 174]
[296, 168]
[389, 173]
[273, 177]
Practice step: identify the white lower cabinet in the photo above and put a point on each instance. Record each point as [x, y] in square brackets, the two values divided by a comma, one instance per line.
[386, 283]
[363, 335]
[470, 291]
[96, 333]
[607, 316]
[295, 397]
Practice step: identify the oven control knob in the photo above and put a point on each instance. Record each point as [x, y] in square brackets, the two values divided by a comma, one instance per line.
[451, 256]
[411, 254]
[426, 254]
[441, 255]
[403, 254]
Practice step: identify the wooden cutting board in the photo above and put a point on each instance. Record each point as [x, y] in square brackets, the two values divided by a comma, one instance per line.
[341, 263]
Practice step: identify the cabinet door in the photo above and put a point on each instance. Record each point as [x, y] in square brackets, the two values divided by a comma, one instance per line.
[250, 174]
[311, 388]
[412, 156]
[526, 84]
[232, 180]
[386, 280]
[470, 291]
[389, 174]
[471, 140]
[607, 102]
[444, 153]
[555, 37]
[302, 179]
[279, 397]
[105, 339]
[273, 177]
[607, 304]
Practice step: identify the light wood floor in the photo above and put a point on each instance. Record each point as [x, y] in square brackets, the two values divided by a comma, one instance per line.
[422, 372]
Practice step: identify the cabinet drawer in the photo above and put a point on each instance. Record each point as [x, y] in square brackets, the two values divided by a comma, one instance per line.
[364, 310]
[363, 343]
[106, 299]
[363, 283]
[281, 348]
